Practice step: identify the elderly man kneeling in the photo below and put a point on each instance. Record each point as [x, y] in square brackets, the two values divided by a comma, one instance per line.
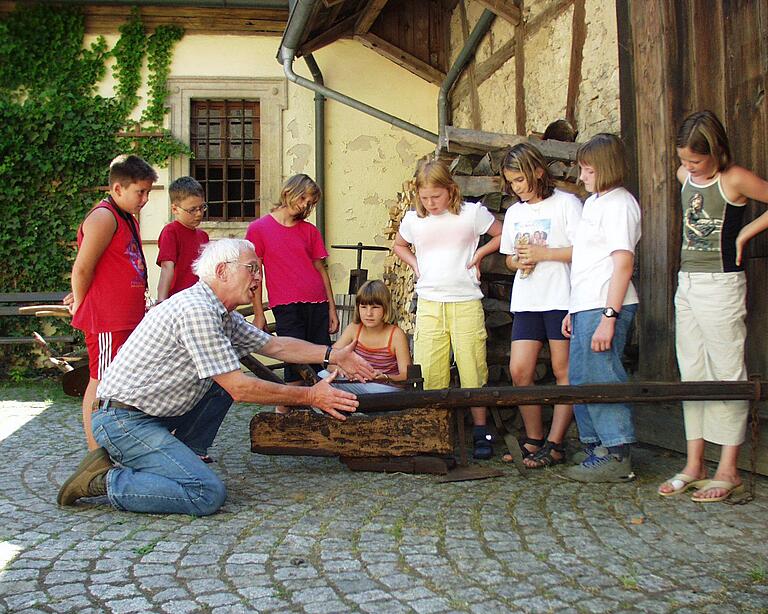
[178, 373]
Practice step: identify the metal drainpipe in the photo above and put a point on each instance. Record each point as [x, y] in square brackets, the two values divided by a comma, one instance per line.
[468, 51]
[319, 142]
[297, 20]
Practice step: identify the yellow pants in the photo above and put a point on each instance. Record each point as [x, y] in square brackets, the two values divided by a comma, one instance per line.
[442, 326]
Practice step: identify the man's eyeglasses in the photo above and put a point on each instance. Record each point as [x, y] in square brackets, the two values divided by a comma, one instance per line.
[253, 268]
[195, 210]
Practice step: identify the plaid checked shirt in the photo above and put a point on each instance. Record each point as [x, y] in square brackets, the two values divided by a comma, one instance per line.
[167, 364]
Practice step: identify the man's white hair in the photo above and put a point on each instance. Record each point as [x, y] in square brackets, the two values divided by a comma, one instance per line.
[215, 252]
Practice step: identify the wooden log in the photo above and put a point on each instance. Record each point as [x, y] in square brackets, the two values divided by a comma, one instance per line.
[633, 392]
[493, 201]
[401, 433]
[461, 165]
[485, 141]
[478, 186]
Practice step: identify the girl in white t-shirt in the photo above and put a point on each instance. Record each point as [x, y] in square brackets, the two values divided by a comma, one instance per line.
[445, 234]
[602, 308]
[541, 290]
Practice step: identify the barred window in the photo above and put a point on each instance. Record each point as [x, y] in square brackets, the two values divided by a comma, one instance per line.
[225, 138]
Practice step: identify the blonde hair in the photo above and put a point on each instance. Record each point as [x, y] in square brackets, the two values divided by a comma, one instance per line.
[296, 187]
[374, 292]
[704, 134]
[526, 159]
[605, 154]
[435, 174]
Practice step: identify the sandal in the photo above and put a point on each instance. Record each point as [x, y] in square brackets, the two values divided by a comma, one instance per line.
[545, 458]
[525, 441]
[207, 459]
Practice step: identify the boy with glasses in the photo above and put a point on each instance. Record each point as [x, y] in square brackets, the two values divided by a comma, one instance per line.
[180, 241]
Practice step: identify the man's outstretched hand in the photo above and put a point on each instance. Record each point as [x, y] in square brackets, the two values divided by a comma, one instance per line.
[332, 400]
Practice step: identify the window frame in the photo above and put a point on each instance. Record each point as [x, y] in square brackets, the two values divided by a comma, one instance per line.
[272, 96]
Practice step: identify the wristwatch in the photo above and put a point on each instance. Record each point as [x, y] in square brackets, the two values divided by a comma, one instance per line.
[610, 312]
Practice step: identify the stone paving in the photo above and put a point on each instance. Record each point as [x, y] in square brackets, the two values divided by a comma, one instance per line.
[307, 535]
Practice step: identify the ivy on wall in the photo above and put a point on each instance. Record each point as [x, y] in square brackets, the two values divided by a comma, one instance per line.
[57, 135]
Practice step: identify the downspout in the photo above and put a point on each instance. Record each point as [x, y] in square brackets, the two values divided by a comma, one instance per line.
[465, 55]
[319, 142]
[297, 20]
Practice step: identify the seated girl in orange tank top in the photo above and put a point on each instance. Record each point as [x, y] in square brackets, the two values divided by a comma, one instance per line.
[380, 342]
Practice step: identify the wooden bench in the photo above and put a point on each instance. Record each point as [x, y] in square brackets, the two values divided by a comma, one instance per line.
[12, 304]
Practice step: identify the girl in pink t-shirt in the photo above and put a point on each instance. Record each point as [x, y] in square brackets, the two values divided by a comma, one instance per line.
[293, 255]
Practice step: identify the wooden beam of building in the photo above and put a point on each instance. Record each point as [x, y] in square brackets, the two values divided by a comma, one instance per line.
[474, 96]
[402, 58]
[656, 78]
[103, 19]
[520, 112]
[487, 141]
[506, 396]
[578, 38]
[507, 51]
[369, 15]
[344, 28]
[506, 9]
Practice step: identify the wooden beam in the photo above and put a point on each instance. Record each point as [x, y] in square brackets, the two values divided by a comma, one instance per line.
[106, 19]
[340, 30]
[656, 72]
[474, 97]
[402, 58]
[506, 9]
[520, 113]
[369, 15]
[486, 141]
[507, 51]
[510, 396]
[578, 37]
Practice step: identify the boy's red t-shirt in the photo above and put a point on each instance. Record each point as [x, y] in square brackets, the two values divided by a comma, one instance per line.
[180, 245]
[115, 299]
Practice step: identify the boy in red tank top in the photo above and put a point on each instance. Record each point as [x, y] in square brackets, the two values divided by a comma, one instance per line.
[109, 276]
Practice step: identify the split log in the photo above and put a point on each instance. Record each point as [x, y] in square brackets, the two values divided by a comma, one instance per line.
[485, 141]
[400, 433]
[478, 186]
[461, 165]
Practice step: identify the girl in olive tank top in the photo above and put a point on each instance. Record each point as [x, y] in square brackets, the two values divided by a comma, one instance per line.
[710, 302]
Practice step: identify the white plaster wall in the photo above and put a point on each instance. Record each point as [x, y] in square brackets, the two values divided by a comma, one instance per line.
[547, 62]
[367, 160]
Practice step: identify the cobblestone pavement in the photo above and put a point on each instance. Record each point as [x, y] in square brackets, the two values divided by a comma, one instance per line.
[307, 535]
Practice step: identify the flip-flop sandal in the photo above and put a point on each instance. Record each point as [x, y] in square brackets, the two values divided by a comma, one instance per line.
[207, 459]
[545, 458]
[729, 487]
[682, 482]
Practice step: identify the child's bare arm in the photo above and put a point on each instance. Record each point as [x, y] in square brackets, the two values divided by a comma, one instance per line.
[403, 250]
[623, 262]
[167, 268]
[98, 229]
[333, 317]
[746, 184]
[347, 336]
[537, 253]
[403, 354]
[488, 248]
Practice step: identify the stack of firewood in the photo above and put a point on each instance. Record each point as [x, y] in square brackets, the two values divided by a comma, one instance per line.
[398, 276]
[477, 172]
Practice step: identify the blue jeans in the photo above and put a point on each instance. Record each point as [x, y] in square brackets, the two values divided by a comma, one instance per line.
[607, 424]
[160, 473]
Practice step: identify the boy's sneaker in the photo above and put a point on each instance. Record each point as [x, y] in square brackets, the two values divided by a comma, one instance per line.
[601, 466]
[587, 450]
[483, 443]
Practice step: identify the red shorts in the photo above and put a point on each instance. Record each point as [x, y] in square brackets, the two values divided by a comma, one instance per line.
[102, 348]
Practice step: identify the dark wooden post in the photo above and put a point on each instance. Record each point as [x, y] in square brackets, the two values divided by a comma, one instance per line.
[654, 60]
